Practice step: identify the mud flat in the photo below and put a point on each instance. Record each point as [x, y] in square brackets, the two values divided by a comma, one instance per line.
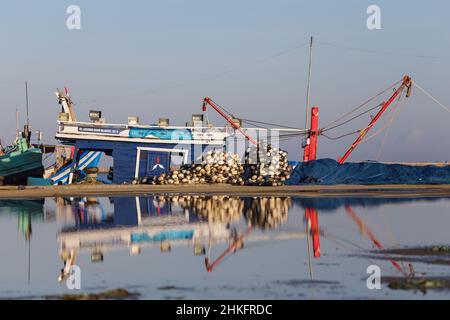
[418, 284]
[433, 255]
[14, 192]
[115, 294]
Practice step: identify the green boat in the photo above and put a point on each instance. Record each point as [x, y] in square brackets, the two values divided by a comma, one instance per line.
[20, 161]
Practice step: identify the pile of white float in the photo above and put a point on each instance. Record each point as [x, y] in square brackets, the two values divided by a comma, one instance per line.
[263, 166]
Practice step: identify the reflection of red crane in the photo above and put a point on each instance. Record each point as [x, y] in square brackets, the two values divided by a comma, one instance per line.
[364, 229]
[215, 106]
[309, 154]
[312, 220]
[236, 244]
[311, 214]
[406, 83]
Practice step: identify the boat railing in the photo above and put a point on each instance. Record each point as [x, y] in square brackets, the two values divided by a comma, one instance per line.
[198, 128]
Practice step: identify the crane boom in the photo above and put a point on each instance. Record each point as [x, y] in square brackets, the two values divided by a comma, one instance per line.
[208, 101]
[406, 83]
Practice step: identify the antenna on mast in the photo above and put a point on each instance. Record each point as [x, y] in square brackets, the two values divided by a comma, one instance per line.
[26, 131]
[26, 97]
[17, 122]
[308, 88]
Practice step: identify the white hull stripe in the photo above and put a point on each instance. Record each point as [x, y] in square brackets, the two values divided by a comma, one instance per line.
[83, 163]
[147, 141]
[67, 170]
[89, 161]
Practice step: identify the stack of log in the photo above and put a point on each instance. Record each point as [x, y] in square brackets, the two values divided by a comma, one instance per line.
[267, 166]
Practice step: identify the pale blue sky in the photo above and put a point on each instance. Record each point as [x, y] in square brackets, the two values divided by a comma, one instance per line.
[135, 46]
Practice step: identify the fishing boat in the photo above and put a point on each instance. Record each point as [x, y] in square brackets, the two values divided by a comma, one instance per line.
[140, 150]
[20, 161]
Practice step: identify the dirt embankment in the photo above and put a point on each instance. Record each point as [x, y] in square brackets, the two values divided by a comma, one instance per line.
[411, 191]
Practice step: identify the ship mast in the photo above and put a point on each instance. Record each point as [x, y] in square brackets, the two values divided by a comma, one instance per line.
[26, 130]
[308, 98]
[308, 88]
[26, 97]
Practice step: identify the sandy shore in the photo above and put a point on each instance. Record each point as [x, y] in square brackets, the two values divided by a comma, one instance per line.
[13, 192]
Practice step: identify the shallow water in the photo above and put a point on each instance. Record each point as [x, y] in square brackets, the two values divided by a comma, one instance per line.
[218, 247]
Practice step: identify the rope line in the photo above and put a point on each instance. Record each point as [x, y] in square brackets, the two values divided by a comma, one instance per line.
[255, 122]
[351, 119]
[431, 96]
[201, 79]
[223, 109]
[341, 136]
[386, 125]
[361, 105]
[400, 54]
[391, 121]
[271, 124]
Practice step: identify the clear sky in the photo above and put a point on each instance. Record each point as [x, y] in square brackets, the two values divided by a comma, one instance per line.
[180, 51]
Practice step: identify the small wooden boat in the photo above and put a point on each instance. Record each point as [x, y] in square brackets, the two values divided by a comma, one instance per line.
[20, 161]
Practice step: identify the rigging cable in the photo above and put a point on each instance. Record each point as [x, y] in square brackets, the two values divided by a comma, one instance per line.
[351, 119]
[201, 79]
[253, 122]
[391, 121]
[341, 136]
[382, 52]
[361, 105]
[386, 125]
[431, 96]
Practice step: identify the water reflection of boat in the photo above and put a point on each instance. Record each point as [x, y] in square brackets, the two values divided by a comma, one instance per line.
[158, 221]
[135, 222]
[26, 211]
[33, 207]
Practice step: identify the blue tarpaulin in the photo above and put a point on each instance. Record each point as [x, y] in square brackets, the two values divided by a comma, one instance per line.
[330, 172]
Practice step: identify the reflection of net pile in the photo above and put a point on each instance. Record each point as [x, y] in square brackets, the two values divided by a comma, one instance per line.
[266, 213]
[268, 166]
[218, 167]
[221, 209]
[180, 201]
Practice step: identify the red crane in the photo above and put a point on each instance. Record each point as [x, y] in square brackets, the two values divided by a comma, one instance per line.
[208, 101]
[406, 83]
